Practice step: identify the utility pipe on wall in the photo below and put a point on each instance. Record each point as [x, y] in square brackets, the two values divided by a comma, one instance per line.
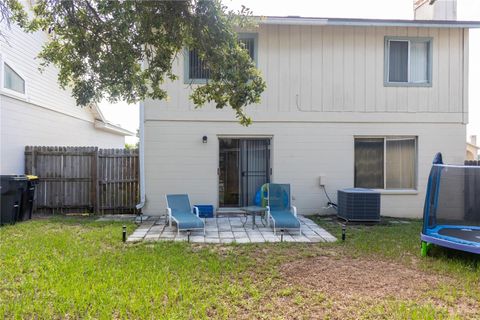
[141, 156]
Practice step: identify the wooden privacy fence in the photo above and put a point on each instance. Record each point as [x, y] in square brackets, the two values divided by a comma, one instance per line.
[79, 179]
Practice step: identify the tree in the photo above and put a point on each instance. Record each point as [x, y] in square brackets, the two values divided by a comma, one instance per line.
[136, 145]
[99, 47]
[11, 10]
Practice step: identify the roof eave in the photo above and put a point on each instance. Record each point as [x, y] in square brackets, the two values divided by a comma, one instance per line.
[367, 22]
[105, 126]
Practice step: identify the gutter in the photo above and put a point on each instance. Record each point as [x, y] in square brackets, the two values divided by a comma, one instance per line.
[103, 124]
[141, 156]
[313, 21]
[106, 126]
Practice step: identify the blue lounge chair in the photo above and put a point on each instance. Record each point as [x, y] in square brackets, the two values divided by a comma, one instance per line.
[182, 213]
[279, 209]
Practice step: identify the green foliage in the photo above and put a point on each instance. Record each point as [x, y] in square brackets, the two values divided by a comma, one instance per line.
[131, 146]
[12, 10]
[99, 47]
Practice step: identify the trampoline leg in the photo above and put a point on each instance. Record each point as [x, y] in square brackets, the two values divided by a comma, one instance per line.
[425, 247]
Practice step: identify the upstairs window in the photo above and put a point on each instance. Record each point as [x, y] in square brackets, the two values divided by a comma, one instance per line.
[196, 70]
[408, 62]
[249, 44]
[196, 67]
[385, 163]
[12, 80]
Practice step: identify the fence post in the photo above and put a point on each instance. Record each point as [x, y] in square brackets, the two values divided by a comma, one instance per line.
[32, 171]
[95, 193]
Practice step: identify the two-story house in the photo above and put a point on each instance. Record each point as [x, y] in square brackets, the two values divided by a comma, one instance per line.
[349, 103]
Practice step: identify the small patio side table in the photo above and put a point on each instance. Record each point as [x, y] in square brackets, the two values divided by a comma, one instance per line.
[253, 211]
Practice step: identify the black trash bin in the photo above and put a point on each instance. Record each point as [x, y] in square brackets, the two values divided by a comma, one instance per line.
[11, 189]
[28, 196]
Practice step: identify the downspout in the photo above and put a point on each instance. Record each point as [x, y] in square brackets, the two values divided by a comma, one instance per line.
[141, 156]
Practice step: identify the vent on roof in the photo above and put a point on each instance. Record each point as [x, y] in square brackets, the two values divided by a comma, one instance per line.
[358, 204]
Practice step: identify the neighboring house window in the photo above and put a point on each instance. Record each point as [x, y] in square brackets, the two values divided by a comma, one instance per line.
[12, 80]
[197, 71]
[385, 163]
[408, 61]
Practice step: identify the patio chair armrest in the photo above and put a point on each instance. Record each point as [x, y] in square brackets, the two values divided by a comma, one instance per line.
[196, 211]
[169, 212]
[294, 210]
[267, 211]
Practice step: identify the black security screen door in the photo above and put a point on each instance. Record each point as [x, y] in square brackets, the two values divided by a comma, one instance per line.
[244, 166]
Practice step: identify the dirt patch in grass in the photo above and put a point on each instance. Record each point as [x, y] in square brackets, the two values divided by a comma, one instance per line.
[350, 278]
[336, 287]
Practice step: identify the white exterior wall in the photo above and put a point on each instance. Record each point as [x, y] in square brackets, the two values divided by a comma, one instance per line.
[46, 115]
[24, 124]
[325, 85]
[176, 160]
[20, 51]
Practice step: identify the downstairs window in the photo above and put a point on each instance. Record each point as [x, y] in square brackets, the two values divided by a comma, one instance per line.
[385, 163]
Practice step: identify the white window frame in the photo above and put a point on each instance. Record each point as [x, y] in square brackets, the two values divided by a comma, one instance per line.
[392, 138]
[8, 91]
[409, 82]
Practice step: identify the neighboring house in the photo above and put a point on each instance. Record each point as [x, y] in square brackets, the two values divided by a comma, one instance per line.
[446, 9]
[34, 110]
[436, 9]
[349, 103]
[472, 149]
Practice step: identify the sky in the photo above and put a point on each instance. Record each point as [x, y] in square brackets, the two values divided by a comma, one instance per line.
[127, 115]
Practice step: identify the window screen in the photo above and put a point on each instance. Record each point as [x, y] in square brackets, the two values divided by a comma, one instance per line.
[419, 62]
[12, 80]
[249, 45]
[400, 164]
[369, 163]
[197, 68]
[398, 61]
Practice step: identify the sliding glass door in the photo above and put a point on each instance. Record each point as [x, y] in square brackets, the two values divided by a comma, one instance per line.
[244, 165]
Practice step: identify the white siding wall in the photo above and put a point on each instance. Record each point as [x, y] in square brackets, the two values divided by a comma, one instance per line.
[20, 51]
[46, 115]
[325, 85]
[23, 124]
[326, 73]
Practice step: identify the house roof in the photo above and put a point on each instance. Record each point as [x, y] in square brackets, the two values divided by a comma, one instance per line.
[103, 124]
[297, 20]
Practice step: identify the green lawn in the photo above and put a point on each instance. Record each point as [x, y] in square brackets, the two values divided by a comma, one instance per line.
[79, 268]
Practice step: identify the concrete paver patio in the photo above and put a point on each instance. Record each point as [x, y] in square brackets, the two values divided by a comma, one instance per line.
[228, 230]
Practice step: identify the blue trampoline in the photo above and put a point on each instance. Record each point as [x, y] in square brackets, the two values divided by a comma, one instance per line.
[451, 216]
